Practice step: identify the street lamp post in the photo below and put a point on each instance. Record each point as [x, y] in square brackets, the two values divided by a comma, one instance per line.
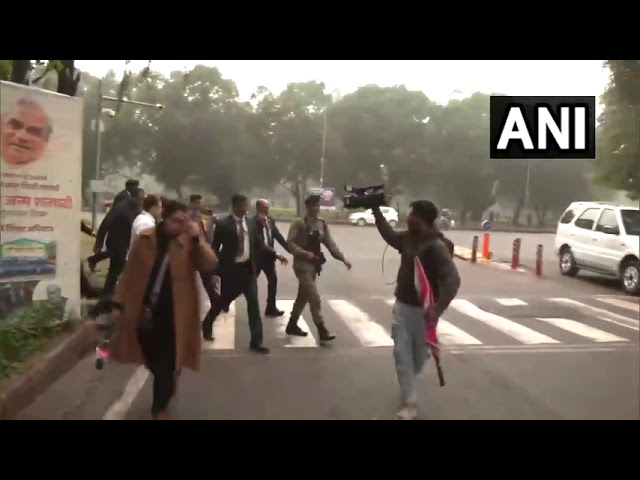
[99, 111]
[324, 144]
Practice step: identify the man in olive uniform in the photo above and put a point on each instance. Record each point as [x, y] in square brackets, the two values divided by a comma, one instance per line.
[307, 259]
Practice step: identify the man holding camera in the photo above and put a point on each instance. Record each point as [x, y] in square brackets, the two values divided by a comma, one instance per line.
[304, 240]
[423, 242]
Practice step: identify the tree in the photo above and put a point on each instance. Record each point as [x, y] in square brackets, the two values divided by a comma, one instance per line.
[618, 137]
[462, 175]
[292, 124]
[379, 126]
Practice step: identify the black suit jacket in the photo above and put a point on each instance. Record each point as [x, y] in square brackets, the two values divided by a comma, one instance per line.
[276, 236]
[116, 227]
[225, 244]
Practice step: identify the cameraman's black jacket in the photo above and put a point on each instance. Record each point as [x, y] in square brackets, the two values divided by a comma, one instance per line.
[436, 254]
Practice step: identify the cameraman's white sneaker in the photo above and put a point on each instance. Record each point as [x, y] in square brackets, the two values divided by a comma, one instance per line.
[408, 412]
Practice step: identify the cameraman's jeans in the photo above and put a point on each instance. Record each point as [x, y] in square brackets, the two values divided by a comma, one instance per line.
[410, 351]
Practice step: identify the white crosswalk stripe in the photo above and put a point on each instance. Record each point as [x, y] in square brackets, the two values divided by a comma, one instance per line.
[478, 322]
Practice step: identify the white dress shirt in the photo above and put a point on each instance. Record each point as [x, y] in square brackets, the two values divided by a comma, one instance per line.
[246, 253]
[142, 222]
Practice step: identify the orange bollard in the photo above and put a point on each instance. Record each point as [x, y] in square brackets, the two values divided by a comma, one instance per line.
[485, 245]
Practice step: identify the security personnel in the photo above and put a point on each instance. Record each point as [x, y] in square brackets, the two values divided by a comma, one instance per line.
[304, 239]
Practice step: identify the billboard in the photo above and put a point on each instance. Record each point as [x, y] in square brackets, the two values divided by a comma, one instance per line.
[40, 195]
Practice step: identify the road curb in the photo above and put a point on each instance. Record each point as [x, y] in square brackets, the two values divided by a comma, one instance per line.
[468, 227]
[464, 253]
[44, 369]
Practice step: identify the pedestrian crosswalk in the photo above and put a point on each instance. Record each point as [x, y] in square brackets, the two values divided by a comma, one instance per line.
[469, 322]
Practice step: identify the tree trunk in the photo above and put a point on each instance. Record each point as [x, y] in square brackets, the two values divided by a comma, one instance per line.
[67, 83]
[517, 210]
[20, 71]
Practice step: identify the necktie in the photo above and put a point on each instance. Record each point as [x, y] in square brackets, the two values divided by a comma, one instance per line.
[240, 239]
[267, 231]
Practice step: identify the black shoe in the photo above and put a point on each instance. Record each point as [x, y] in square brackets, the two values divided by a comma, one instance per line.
[225, 309]
[273, 312]
[207, 334]
[259, 349]
[324, 334]
[294, 329]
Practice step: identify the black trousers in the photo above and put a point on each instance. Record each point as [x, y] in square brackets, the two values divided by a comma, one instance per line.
[269, 269]
[158, 343]
[116, 266]
[98, 257]
[238, 279]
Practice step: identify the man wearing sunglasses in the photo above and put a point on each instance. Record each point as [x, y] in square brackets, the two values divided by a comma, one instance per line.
[25, 133]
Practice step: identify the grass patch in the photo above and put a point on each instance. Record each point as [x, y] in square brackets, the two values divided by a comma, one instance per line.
[28, 332]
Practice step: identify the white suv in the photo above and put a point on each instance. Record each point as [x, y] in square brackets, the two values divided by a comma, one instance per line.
[603, 238]
[364, 218]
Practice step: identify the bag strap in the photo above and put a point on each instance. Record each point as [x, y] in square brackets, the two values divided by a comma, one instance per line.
[155, 293]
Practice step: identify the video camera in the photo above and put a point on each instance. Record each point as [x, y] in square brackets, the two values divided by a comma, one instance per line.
[364, 197]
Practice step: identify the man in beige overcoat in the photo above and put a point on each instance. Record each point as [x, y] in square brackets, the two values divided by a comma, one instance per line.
[169, 337]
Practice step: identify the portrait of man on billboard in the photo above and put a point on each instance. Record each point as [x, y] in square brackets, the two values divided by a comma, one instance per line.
[25, 131]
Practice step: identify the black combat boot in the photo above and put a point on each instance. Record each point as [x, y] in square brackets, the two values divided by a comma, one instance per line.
[324, 334]
[294, 329]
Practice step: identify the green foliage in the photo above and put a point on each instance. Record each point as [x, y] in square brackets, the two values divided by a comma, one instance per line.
[207, 139]
[26, 334]
[618, 136]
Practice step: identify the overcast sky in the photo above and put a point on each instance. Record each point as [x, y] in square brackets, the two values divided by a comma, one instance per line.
[436, 78]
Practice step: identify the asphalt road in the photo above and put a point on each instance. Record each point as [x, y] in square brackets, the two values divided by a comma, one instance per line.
[515, 347]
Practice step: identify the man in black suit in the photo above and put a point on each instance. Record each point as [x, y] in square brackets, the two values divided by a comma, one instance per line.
[115, 234]
[237, 244]
[269, 234]
[130, 187]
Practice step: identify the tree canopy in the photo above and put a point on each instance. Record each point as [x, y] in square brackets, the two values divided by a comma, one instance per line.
[208, 138]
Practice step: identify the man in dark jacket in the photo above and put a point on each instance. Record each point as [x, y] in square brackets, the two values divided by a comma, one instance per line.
[130, 188]
[115, 234]
[269, 233]
[423, 241]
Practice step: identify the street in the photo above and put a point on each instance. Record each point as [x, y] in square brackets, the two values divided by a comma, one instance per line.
[515, 347]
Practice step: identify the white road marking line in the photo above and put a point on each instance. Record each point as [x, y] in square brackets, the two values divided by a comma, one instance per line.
[448, 333]
[370, 333]
[583, 307]
[224, 331]
[618, 302]
[281, 325]
[615, 322]
[120, 408]
[583, 330]
[515, 330]
[510, 302]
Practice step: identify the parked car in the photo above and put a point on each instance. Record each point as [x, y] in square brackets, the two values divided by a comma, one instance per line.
[603, 238]
[366, 218]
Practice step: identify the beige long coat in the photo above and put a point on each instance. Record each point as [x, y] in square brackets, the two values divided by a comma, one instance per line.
[186, 258]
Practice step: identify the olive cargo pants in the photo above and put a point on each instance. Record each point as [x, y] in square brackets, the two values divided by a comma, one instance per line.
[307, 292]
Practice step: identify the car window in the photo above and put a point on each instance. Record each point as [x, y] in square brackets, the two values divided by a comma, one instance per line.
[607, 219]
[568, 216]
[631, 221]
[587, 219]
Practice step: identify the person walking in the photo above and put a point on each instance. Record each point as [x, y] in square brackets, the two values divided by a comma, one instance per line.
[423, 243]
[269, 233]
[305, 237]
[237, 244]
[155, 307]
[115, 234]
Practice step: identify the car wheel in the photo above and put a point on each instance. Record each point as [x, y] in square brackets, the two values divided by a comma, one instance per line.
[392, 223]
[361, 222]
[568, 263]
[630, 273]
